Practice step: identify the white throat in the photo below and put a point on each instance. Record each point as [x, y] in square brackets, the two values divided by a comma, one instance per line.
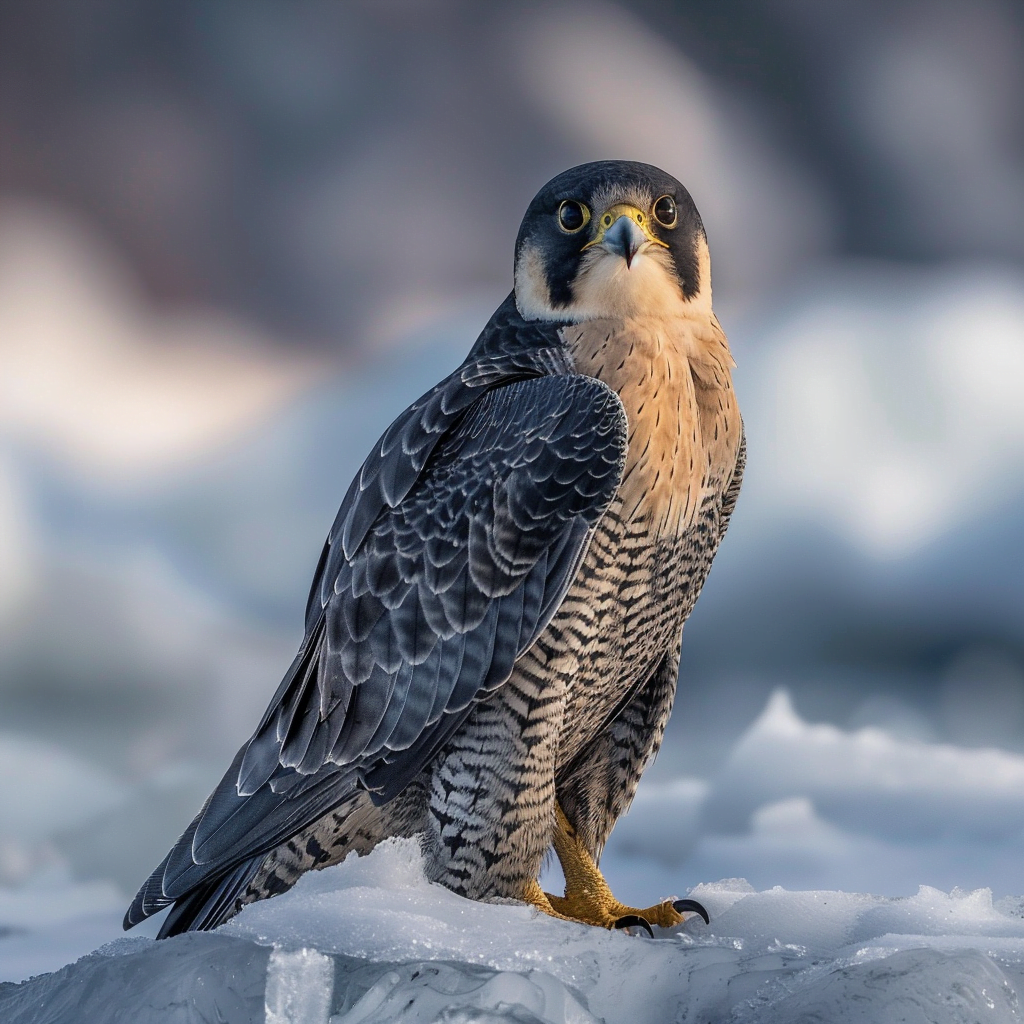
[606, 288]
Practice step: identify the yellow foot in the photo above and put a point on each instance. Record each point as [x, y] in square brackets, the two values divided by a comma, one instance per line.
[589, 900]
[537, 897]
[610, 913]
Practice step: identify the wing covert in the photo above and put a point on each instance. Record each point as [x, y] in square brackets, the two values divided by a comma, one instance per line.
[444, 591]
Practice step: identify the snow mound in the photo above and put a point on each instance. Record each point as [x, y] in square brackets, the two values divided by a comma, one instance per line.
[871, 781]
[371, 941]
[809, 805]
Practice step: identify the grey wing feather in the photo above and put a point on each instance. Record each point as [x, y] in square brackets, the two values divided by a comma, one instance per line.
[464, 572]
[421, 614]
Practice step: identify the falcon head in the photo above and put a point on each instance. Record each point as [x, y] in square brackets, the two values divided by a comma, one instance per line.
[611, 239]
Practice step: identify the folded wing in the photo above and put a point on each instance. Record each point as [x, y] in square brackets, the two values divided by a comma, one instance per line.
[448, 558]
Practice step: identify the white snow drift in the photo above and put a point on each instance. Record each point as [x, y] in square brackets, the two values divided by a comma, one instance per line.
[810, 806]
[371, 941]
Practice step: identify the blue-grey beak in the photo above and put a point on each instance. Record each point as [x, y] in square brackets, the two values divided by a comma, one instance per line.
[624, 238]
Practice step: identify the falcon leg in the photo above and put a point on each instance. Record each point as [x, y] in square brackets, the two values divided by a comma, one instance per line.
[541, 900]
[595, 788]
[589, 899]
[488, 815]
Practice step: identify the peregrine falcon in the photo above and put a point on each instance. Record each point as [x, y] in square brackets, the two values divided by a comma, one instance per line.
[492, 636]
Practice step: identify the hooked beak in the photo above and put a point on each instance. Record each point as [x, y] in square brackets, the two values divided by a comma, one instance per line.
[622, 230]
[624, 239]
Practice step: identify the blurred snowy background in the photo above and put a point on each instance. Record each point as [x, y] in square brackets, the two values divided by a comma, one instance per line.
[237, 238]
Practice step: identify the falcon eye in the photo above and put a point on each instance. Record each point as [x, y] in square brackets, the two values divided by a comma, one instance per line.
[572, 216]
[665, 212]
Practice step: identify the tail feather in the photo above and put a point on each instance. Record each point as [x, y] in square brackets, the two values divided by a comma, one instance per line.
[212, 904]
[239, 833]
[151, 898]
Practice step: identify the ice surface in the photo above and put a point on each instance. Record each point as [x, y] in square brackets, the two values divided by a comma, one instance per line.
[815, 808]
[299, 986]
[201, 978]
[913, 986]
[370, 941]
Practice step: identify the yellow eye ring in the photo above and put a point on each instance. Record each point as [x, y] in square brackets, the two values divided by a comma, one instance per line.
[665, 211]
[572, 216]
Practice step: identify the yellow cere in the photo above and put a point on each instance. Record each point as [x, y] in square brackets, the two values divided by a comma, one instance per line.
[613, 213]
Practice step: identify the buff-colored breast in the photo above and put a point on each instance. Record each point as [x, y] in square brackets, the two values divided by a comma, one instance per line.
[673, 376]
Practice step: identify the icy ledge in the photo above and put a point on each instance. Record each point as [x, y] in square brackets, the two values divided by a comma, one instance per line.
[371, 941]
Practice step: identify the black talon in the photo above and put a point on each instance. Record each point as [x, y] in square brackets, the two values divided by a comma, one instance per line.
[680, 905]
[634, 921]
